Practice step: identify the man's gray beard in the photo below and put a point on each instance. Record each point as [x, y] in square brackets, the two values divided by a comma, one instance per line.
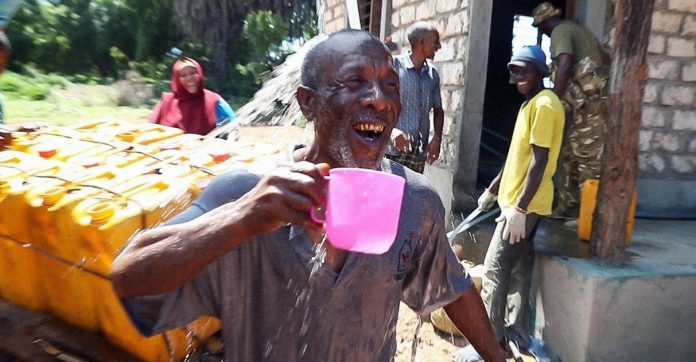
[339, 147]
[341, 152]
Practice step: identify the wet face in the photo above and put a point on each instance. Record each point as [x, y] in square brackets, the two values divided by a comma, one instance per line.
[189, 78]
[356, 104]
[431, 44]
[526, 78]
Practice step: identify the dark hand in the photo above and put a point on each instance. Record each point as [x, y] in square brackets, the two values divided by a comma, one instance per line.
[286, 195]
[433, 152]
[401, 140]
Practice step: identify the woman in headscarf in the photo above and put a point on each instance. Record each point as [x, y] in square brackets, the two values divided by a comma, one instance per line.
[189, 106]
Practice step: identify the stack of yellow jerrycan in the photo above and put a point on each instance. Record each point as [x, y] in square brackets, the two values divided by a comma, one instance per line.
[71, 197]
[19, 270]
[100, 227]
[50, 207]
[17, 264]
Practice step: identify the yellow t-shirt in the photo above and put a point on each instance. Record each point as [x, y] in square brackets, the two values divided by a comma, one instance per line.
[539, 122]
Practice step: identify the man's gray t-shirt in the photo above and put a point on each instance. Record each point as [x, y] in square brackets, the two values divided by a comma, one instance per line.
[272, 309]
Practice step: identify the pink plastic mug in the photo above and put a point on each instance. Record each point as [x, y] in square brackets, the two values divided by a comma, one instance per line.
[362, 209]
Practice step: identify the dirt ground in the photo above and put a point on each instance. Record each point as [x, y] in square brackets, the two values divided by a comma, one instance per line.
[431, 346]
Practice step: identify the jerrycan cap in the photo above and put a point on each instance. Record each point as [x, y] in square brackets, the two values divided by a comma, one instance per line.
[126, 136]
[51, 194]
[100, 212]
[46, 151]
[219, 155]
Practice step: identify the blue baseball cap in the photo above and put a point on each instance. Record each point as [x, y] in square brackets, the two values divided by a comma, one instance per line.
[530, 55]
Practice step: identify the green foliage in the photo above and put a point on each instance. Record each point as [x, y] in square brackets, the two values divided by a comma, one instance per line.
[96, 41]
[65, 111]
[99, 37]
[265, 30]
[33, 87]
[269, 44]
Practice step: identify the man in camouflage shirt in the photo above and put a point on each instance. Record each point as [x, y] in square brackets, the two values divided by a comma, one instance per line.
[580, 80]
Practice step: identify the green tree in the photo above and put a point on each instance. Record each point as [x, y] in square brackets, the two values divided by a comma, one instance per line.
[216, 24]
[80, 36]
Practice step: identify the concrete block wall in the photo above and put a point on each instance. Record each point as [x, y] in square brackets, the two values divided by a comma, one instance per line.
[451, 18]
[668, 132]
[335, 16]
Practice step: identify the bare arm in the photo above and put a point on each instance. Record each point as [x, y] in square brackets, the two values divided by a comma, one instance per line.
[164, 258]
[495, 184]
[469, 315]
[433, 152]
[540, 157]
[564, 69]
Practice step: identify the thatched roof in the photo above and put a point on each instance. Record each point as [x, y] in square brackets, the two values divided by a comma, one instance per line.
[274, 104]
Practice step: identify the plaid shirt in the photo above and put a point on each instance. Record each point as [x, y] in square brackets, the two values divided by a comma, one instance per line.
[420, 92]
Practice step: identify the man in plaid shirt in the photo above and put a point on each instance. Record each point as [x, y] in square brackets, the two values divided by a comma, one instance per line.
[420, 92]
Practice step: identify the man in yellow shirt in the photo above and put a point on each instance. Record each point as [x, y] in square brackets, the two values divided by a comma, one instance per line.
[524, 190]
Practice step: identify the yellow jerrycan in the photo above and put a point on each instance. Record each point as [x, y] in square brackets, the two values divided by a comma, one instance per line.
[113, 129]
[18, 265]
[19, 260]
[184, 340]
[120, 156]
[185, 141]
[102, 225]
[54, 145]
[175, 164]
[588, 202]
[50, 207]
[147, 133]
[188, 166]
[21, 141]
[104, 127]
[146, 162]
[32, 142]
[52, 149]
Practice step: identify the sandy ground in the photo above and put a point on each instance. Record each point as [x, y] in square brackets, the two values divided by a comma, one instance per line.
[431, 346]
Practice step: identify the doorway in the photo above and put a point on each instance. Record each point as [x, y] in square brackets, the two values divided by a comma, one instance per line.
[510, 25]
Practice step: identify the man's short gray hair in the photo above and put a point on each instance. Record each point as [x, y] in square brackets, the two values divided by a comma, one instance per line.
[418, 31]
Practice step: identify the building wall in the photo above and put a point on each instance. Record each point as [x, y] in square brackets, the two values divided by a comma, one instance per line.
[335, 16]
[667, 153]
[667, 142]
[668, 134]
